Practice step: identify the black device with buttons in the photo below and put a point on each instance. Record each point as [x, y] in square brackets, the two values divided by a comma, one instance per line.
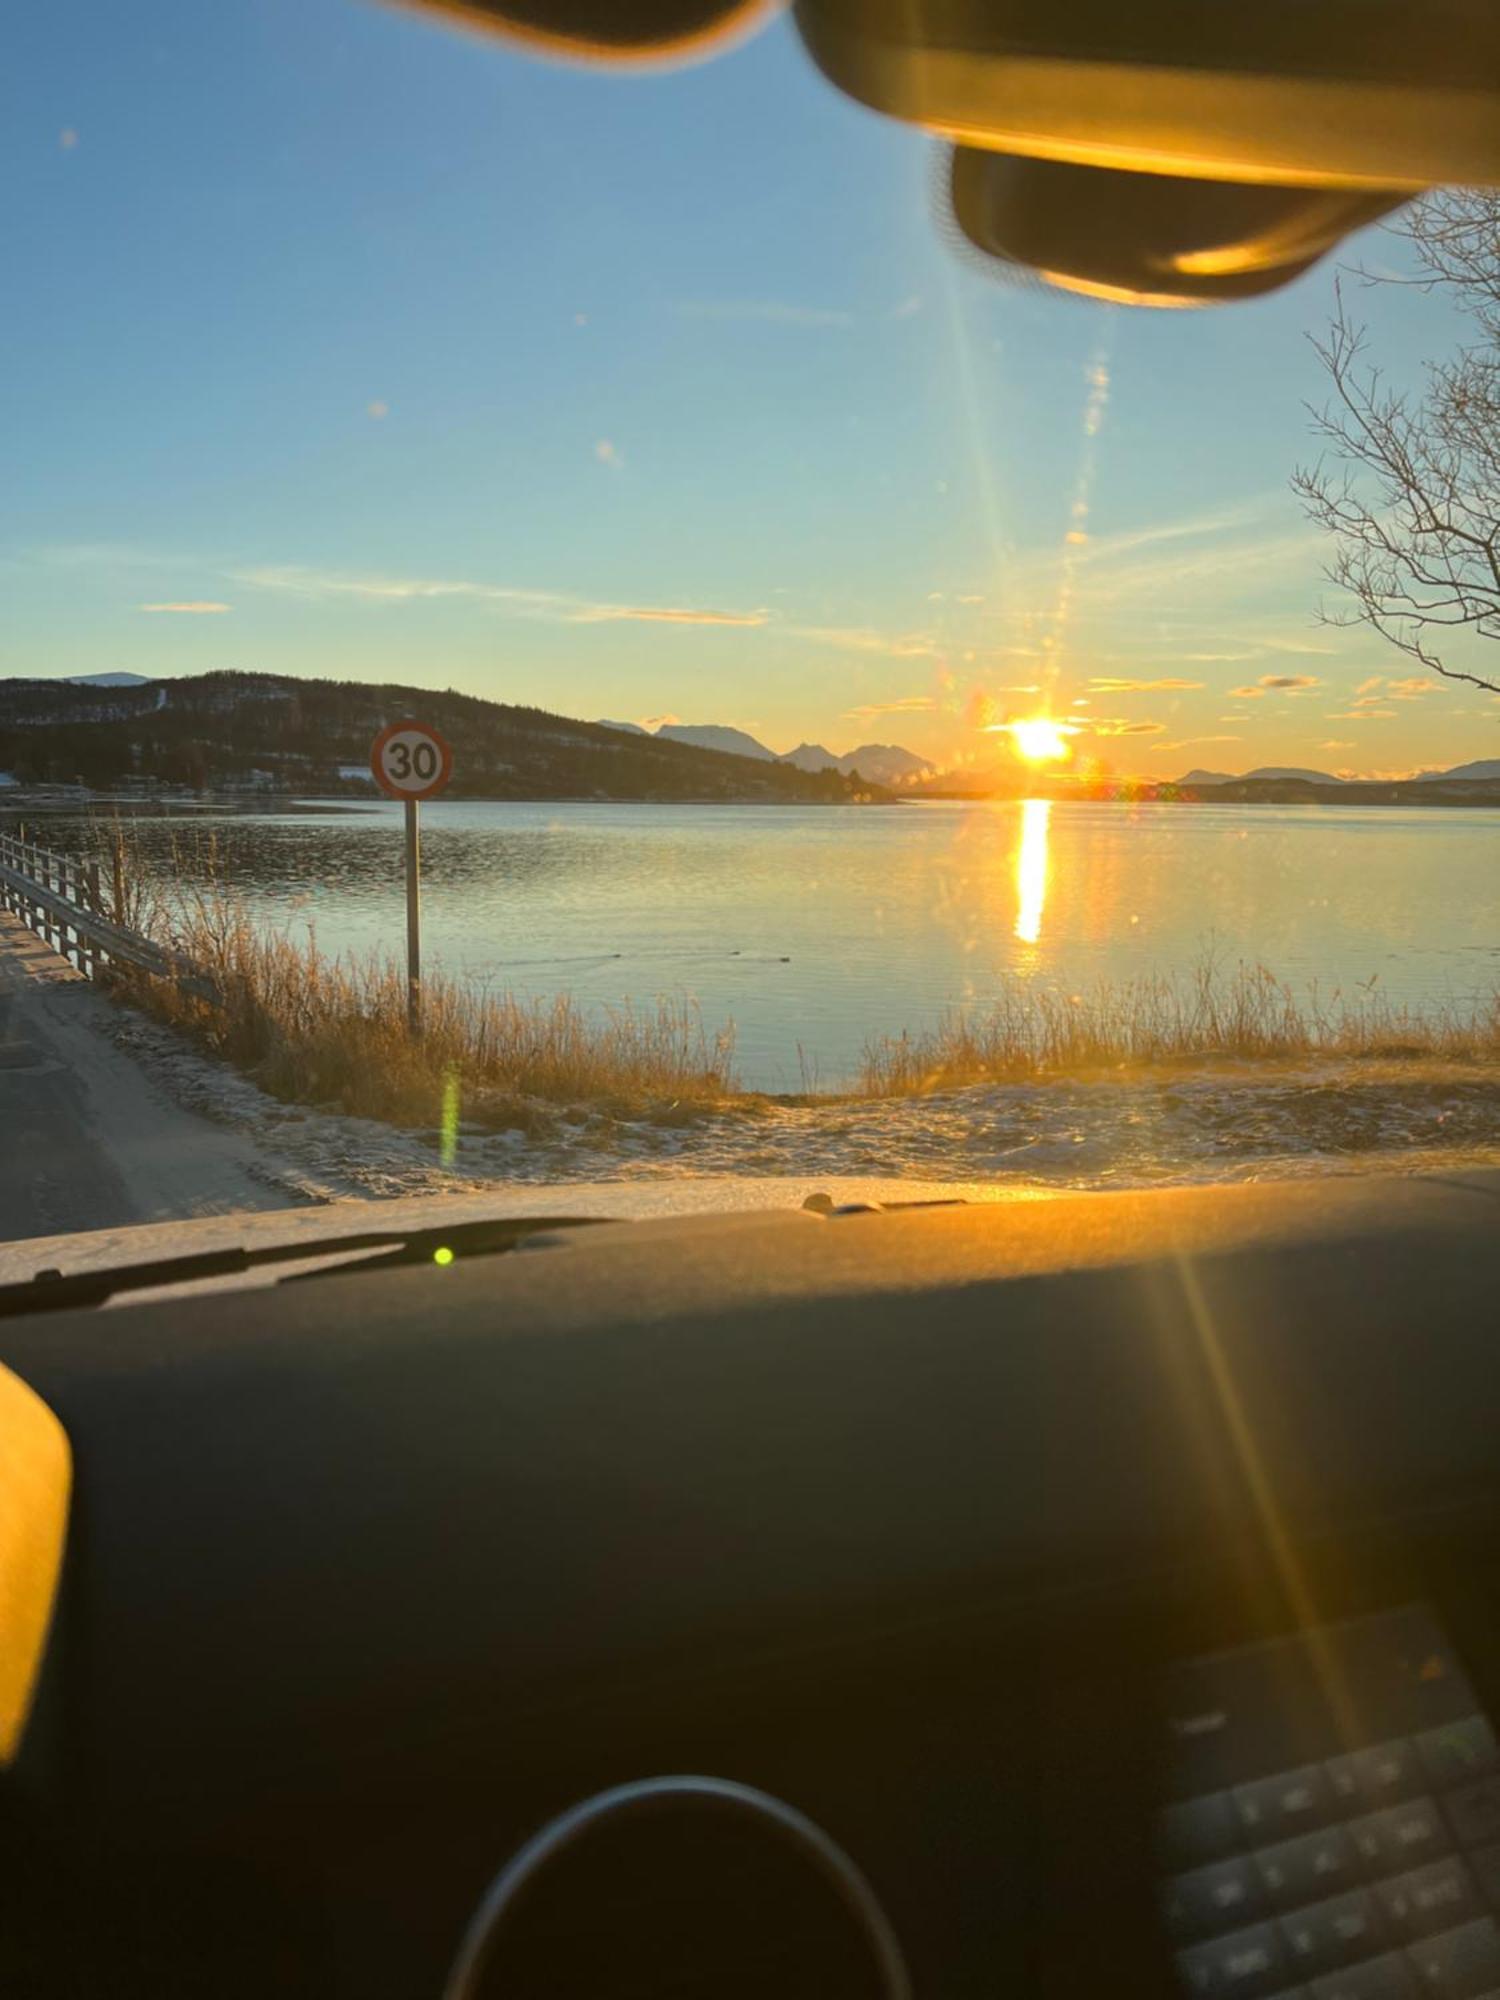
[1334, 1829]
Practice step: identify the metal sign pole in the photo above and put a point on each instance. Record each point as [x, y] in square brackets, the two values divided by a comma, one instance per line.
[410, 761]
[413, 921]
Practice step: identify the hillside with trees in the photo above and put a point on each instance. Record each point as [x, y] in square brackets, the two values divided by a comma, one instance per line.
[272, 733]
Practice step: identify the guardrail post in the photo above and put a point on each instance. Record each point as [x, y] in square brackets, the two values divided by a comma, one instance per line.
[91, 890]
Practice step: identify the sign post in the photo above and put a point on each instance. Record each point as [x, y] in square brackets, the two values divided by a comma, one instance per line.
[411, 762]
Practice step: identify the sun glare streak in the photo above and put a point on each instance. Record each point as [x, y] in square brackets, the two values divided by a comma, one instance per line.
[1096, 402]
[1032, 868]
[975, 429]
[1267, 1506]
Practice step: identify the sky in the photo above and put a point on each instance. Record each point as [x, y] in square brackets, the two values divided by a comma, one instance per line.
[341, 341]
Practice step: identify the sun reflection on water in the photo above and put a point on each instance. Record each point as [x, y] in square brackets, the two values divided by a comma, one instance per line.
[1032, 869]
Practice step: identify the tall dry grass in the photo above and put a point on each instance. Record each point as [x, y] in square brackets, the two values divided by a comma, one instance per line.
[1212, 1013]
[333, 1031]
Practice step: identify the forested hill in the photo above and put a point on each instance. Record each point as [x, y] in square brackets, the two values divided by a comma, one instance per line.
[226, 731]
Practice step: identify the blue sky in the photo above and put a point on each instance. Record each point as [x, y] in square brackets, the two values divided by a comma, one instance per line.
[338, 341]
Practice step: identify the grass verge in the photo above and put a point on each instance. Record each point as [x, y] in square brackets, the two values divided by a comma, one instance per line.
[315, 1030]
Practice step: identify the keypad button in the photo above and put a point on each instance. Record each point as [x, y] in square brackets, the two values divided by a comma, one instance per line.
[1436, 1898]
[1485, 1862]
[1198, 1830]
[1309, 1868]
[1458, 1965]
[1244, 1965]
[1376, 1777]
[1388, 1977]
[1459, 1750]
[1400, 1837]
[1474, 1812]
[1289, 1803]
[1345, 1927]
[1213, 1898]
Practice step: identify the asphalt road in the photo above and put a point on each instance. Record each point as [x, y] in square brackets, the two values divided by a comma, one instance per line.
[86, 1142]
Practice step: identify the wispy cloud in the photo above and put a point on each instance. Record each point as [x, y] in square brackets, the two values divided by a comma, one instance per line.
[1191, 742]
[1117, 725]
[1216, 659]
[660, 614]
[1290, 683]
[297, 581]
[192, 607]
[610, 454]
[1106, 684]
[1247, 694]
[1410, 690]
[1360, 715]
[906, 704]
[864, 639]
[1310, 648]
[766, 312]
[907, 308]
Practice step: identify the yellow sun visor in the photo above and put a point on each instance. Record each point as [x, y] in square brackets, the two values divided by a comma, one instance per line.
[36, 1476]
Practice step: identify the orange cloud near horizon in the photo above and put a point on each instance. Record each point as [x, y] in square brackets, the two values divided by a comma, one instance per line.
[662, 614]
[189, 608]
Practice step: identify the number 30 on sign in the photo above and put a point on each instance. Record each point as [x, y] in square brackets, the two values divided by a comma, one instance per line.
[410, 761]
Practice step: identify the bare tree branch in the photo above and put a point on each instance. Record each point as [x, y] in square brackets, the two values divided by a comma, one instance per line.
[1407, 483]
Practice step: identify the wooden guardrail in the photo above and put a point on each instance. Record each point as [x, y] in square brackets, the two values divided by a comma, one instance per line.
[62, 899]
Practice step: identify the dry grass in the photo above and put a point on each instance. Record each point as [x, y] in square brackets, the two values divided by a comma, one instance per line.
[1027, 1034]
[316, 1030]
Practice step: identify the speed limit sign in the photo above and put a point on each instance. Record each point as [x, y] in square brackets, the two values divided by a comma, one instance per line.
[410, 761]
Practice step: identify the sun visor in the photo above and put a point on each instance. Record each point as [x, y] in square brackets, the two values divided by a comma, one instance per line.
[36, 1470]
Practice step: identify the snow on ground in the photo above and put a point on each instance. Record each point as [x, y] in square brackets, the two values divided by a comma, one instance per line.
[1231, 1121]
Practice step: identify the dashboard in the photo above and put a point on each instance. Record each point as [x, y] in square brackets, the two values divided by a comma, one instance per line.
[1115, 1578]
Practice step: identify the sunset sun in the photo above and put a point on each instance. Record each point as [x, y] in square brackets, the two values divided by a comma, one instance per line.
[1040, 740]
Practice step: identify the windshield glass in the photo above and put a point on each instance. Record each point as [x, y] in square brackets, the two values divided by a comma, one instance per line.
[854, 712]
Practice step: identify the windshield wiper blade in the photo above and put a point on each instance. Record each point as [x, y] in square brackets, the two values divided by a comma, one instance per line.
[52, 1291]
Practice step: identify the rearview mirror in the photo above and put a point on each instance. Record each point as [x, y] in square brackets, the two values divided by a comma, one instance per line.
[1179, 153]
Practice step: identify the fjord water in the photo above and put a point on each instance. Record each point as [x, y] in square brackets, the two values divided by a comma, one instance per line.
[822, 926]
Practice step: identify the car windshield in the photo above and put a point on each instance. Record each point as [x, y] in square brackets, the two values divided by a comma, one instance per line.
[567, 629]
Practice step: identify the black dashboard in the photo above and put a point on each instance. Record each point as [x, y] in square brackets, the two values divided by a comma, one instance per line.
[1115, 1578]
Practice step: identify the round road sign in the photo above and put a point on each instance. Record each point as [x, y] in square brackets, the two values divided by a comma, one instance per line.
[410, 761]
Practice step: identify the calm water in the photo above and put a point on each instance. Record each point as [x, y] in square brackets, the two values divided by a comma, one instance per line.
[821, 926]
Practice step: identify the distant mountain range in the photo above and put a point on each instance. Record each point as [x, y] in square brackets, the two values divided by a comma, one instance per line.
[1485, 771]
[275, 733]
[879, 763]
[1260, 771]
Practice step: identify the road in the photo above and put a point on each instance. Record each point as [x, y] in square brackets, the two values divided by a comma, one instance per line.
[85, 1141]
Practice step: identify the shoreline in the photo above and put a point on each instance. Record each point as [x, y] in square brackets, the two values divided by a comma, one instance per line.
[1406, 794]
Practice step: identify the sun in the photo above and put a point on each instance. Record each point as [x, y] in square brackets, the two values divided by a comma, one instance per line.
[1040, 740]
